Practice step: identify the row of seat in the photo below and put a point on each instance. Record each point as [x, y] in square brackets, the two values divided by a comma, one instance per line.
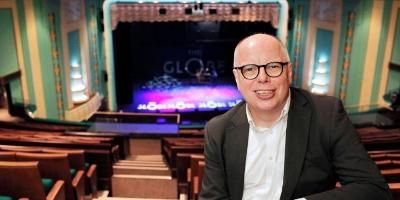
[102, 151]
[380, 139]
[388, 162]
[44, 125]
[170, 147]
[190, 170]
[80, 178]
[186, 161]
[22, 180]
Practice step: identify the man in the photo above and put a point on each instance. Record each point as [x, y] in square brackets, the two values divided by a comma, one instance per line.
[281, 142]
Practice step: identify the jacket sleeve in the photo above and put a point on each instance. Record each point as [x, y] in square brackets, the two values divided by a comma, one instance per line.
[214, 181]
[357, 173]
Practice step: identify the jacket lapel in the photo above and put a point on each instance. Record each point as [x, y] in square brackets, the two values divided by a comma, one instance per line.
[297, 134]
[235, 148]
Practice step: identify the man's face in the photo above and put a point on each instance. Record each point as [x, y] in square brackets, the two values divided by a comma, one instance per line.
[264, 93]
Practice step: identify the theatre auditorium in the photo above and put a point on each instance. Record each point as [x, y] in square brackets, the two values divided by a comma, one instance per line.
[109, 99]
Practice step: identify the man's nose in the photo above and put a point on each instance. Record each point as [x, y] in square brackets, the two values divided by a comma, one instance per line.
[263, 76]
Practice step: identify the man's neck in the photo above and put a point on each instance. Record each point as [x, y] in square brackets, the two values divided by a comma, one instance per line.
[266, 119]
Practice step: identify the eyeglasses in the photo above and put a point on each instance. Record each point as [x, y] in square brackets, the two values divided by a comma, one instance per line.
[272, 69]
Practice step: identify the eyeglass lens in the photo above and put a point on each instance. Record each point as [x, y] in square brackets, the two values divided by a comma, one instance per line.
[271, 69]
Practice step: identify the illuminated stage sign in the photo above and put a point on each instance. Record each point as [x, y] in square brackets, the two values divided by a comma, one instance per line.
[186, 98]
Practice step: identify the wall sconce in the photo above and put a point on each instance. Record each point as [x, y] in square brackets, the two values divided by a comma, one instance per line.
[78, 86]
[319, 83]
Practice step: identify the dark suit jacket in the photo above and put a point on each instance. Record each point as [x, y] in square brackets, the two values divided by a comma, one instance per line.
[322, 147]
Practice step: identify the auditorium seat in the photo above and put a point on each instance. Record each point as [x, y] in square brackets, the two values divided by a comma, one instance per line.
[76, 160]
[56, 166]
[182, 166]
[395, 189]
[194, 174]
[23, 180]
[201, 165]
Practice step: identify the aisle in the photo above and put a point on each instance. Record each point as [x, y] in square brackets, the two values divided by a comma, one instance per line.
[144, 175]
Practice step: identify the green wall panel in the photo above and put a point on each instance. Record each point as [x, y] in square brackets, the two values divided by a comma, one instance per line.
[43, 37]
[26, 51]
[396, 44]
[294, 6]
[381, 51]
[74, 47]
[94, 30]
[8, 56]
[394, 75]
[359, 50]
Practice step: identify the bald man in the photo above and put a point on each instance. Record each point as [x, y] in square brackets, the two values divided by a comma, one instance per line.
[281, 142]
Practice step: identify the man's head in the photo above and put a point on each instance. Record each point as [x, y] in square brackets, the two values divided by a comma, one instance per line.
[263, 93]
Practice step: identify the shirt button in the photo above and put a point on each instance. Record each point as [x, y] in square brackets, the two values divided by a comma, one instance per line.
[270, 158]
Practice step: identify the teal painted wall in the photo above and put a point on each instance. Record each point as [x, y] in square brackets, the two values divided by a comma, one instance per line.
[394, 75]
[359, 50]
[96, 50]
[8, 55]
[26, 51]
[41, 9]
[51, 55]
[74, 47]
[395, 58]
[360, 35]
[381, 52]
[294, 8]
[346, 8]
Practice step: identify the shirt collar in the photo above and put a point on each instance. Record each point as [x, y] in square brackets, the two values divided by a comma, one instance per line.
[284, 112]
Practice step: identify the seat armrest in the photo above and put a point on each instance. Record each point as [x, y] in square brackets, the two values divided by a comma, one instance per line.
[91, 176]
[183, 188]
[78, 183]
[57, 192]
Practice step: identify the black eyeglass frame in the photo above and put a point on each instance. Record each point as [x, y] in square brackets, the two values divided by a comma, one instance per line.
[258, 69]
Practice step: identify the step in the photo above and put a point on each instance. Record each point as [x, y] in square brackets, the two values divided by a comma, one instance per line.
[144, 186]
[146, 157]
[132, 170]
[134, 163]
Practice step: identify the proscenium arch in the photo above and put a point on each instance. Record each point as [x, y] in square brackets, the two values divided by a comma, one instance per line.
[281, 34]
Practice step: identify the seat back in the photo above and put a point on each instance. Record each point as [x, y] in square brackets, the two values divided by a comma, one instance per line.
[54, 166]
[76, 157]
[21, 148]
[7, 156]
[21, 180]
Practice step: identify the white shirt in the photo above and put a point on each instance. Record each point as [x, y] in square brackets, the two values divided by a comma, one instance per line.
[265, 158]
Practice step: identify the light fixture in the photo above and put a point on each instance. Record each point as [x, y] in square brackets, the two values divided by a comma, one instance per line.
[319, 83]
[78, 86]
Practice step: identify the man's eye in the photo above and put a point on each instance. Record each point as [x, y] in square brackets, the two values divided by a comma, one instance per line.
[274, 66]
[249, 69]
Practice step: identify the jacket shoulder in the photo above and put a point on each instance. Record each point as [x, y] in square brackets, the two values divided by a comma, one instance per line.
[220, 122]
[318, 101]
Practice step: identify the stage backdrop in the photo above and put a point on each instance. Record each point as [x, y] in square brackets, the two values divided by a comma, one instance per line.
[178, 66]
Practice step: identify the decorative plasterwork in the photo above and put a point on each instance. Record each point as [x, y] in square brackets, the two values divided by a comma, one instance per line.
[150, 12]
